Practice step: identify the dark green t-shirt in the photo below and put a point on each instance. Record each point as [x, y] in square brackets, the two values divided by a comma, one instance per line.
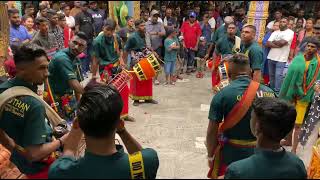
[104, 49]
[170, 55]
[93, 166]
[255, 54]
[24, 120]
[63, 67]
[222, 103]
[267, 165]
[224, 45]
[220, 33]
[135, 42]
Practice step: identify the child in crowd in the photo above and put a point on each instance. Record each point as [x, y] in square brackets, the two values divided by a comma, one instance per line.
[201, 61]
[171, 45]
[271, 120]
[180, 61]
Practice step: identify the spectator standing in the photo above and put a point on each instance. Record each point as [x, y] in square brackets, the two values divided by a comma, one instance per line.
[54, 28]
[125, 32]
[277, 17]
[156, 32]
[163, 11]
[18, 33]
[178, 16]
[294, 41]
[67, 32]
[279, 42]
[300, 15]
[206, 28]
[240, 17]
[171, 46]
[69, 19]
[265, 69]
[84, 23]
[197, 10]
[201, 56]
[29, 10]
[43, 9]
[211, 21]
[169, 21]
[43, 38]
[76, 9]
[306, 32]
[29, 24]
[145, 15]
[98, 16]
[298, 25]
[191, 32]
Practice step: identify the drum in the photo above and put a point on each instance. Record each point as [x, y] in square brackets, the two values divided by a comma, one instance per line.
[147, 68]
[223, 74]
[121, 80]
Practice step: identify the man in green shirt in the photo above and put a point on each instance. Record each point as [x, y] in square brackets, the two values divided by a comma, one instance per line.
[252, 49]
[24, 118]
[271, 120]
[139, 90]
[103, 159]
[237, 141]
[63, 87]
[107, 57]
[226, 44]
[221, 32]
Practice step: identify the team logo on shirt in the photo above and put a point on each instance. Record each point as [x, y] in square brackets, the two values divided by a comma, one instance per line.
[17, 107]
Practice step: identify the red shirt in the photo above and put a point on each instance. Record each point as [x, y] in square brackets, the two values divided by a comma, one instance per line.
[68, 34]
[190, 33]
[294, 42]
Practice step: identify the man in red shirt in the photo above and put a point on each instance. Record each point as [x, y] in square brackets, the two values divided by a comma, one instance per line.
[191, 32]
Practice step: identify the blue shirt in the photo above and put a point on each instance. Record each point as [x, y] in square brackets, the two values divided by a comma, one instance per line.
[206, 31]
[20, 33]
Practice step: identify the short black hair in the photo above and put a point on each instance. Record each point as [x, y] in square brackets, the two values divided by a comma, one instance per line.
[314, 41]
[12, 11]
[28, 6]
[276, 117]
[28, 53]
[40, 20]
[138, 22]
[51, 12]
[99, 110]
[239, 59]
[82, 35]
[109, 24]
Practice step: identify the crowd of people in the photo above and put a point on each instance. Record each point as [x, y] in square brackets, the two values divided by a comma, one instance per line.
[264, 106]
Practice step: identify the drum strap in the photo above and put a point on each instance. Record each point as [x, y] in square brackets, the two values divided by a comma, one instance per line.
[241, 108]
[16, 91]
[136, 166]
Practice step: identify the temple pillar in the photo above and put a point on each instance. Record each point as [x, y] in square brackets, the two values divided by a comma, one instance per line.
[4, 38]
[257, 16]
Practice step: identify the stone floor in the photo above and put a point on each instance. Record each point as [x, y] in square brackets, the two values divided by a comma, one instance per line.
[176, 127]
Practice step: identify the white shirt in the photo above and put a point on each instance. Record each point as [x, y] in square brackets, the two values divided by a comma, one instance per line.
[159, 19]
[270, 25]
[212, 23]
[70, 21]
[281, 54]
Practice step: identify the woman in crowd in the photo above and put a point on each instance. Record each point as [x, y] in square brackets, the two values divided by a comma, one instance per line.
[306, 32]
[29, 24]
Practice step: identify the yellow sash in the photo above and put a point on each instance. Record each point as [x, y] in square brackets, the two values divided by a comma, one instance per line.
[137, 166]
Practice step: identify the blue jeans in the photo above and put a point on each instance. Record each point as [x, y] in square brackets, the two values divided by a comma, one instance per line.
[169, 67]
[189, 57]
[85, 63]
[276, 74]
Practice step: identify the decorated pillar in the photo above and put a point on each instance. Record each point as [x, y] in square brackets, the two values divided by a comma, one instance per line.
[118, 10]
[257, 16]
[4, 37]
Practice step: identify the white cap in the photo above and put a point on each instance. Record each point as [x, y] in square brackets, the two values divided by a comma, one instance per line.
[228, 19]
